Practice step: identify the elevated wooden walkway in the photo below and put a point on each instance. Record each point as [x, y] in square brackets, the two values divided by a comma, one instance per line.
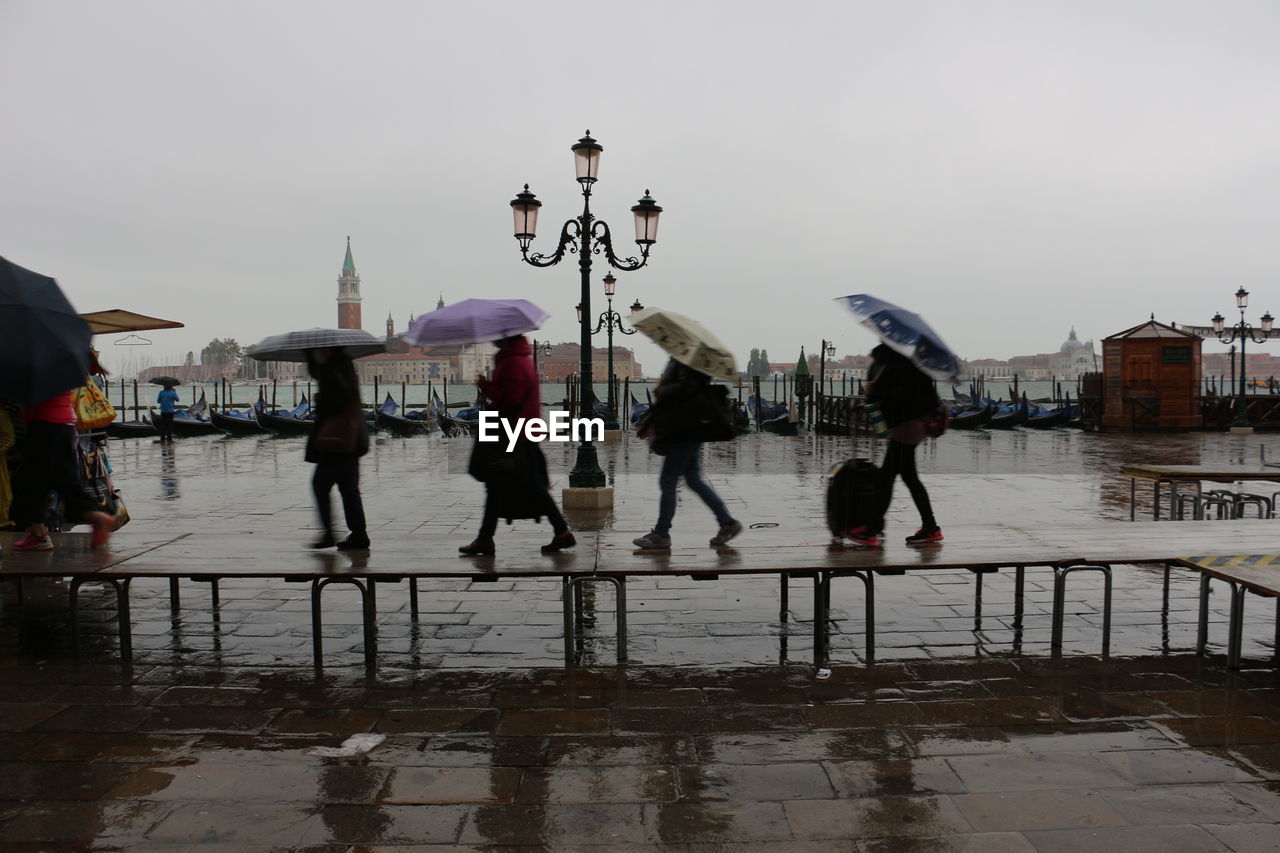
[609, 558]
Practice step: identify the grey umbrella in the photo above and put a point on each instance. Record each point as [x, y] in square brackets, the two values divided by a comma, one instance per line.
[293, 346]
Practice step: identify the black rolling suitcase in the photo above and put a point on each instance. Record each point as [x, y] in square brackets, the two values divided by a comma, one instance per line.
[851, 495]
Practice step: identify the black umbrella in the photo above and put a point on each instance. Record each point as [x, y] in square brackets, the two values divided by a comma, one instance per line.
[44, 343]
[166, 381]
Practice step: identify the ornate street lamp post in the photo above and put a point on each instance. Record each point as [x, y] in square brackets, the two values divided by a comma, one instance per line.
[609, 321]
[828, 351]
[1243, 333]
[543, 348]
[586, 236]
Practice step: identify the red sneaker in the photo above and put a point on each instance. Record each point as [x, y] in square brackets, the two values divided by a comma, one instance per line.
[925, 535]
[863, 536]
[31, 542]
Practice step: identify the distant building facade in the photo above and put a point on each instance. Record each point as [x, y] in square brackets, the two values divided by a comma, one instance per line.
[565, 358]
[403, 362]
[1072, 360]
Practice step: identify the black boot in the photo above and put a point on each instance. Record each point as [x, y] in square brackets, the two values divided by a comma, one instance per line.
[480, 547]
[559, 542]
[355, 542]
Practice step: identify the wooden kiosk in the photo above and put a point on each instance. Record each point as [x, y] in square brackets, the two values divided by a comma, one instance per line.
[1151, 379]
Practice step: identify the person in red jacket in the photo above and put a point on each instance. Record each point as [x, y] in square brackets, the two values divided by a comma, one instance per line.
[513, 391]
[49, 465]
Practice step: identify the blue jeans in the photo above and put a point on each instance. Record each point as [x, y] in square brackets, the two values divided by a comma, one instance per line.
[684, 459]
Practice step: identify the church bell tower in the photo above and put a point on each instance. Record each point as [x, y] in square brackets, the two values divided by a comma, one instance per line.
[349, 293]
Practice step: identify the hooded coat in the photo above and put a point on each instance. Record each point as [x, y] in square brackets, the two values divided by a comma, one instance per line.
[513, 389]
[901, 390]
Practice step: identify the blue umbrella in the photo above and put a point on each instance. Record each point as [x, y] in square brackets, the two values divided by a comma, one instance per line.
[44, 343]
[907, 333]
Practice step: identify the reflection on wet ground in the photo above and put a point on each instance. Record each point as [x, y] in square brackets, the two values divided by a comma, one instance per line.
[717, 736]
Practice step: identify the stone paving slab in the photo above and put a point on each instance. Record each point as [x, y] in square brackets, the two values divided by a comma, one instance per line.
[961, 735]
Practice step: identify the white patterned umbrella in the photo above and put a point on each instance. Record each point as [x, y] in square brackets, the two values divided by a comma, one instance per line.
[293, 346]
[687, 341]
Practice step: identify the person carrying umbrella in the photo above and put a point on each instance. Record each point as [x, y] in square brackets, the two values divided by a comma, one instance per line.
[338, 439]
[515, 481]
[514, 392]
[339, 435]
[684, 414]
[45, 351]
[904, 365]
[907, 398]
[168, 400]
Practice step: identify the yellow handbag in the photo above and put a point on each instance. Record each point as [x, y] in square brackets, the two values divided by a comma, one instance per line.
[93, 409]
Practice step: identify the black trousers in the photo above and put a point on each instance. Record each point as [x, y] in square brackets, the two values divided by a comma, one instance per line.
[165, 426]
[345, 474]
[49, 465]
[900, 461]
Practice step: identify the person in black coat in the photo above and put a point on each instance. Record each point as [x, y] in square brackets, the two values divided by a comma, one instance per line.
[907, 399]
[338, 439]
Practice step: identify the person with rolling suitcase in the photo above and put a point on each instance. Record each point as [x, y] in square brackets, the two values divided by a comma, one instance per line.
[911, 409]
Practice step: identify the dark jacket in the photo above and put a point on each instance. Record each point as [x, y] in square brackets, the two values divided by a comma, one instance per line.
[899, 388]
[337, 408]
[687, 407]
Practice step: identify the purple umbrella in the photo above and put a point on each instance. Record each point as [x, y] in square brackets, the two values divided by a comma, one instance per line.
[474, 321]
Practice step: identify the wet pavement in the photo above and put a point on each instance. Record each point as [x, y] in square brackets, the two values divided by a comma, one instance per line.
[715, 736]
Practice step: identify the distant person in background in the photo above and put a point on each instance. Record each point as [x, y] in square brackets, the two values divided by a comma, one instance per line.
[168, 400]
[49, 465]
[338, 439]
[908, 399]
[514, 392]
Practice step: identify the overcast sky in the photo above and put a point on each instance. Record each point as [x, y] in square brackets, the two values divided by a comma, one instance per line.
[1008, 169]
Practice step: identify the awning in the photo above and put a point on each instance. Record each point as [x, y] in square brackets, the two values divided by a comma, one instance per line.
[120, 320]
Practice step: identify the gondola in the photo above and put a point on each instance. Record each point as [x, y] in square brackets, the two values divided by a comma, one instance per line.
[1048, 420]
[284, 424]
[1010, 419]
[189, 423]
[131, 429]
[763, 410]
[386, 418]
[189, 427]
[438, 412]
[638, 409]
[234, 423]
[781, 425]
[972, 418]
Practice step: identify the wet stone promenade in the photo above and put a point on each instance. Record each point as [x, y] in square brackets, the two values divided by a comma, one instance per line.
[716, 735]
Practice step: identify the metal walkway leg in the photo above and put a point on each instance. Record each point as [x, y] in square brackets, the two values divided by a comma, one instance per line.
[1060, 574]
[124, 621]
[572, 587]
[368, 617]
[822, 613]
